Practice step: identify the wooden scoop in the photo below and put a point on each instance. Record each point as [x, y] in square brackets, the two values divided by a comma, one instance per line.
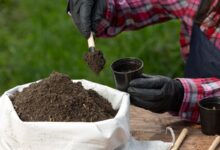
[93, 57]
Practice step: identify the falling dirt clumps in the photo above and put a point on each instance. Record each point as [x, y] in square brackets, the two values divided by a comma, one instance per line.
[57, 98]
[95, 60]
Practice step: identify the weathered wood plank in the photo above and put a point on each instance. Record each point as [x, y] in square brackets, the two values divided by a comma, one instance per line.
[146, 125]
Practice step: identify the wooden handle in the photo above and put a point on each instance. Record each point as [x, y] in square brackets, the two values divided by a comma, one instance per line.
[91, 42]
[215, 143]
[180, 139]
[69, 13]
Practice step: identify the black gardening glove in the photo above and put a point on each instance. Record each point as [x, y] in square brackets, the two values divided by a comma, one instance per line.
[156, 93]
[86, 14]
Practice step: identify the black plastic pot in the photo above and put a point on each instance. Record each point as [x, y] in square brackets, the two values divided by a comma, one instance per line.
[210, 115]
[125, 70]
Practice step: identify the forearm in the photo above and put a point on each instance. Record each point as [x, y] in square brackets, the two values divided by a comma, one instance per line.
[134, 14]
[194, 91]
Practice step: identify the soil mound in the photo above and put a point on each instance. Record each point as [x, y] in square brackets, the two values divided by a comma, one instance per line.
[57, 98]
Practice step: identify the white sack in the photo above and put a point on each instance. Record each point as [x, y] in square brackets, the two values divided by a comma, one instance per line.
[102, 135]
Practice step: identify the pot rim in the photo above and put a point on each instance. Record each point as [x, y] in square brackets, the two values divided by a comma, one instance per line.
[211, 100]
[128, 58]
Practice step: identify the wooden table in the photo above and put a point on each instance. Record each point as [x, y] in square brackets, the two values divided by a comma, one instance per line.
[146, 125]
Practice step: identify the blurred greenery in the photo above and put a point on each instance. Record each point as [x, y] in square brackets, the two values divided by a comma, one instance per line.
[38, 37]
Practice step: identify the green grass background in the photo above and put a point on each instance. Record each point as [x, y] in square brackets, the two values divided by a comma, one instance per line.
[38, 37]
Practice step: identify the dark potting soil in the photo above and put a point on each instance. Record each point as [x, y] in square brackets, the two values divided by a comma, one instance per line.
[95, 60]
[57, 98]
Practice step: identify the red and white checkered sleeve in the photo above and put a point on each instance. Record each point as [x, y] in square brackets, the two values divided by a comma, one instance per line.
[194, 91]
[123, 15]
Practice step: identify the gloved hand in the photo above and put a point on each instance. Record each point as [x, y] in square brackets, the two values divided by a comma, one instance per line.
[156, 93]
[86, 14]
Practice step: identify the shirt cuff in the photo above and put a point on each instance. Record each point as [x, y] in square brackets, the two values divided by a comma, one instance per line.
[193, 91]
[104, 28]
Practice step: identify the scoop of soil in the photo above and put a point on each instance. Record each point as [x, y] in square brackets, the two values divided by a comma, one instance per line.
[95, 60]
[57, 98]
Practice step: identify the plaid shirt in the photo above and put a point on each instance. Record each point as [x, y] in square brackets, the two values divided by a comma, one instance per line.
[124, 15]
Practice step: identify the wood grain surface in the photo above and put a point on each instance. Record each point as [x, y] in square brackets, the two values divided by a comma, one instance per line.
[146, 125]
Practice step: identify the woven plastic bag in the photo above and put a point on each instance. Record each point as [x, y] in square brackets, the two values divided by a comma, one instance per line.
[102, 135]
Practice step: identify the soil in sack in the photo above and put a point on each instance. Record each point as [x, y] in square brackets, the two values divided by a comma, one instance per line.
[57, 98]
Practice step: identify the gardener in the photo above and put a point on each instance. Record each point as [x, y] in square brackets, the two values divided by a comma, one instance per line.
[199, 39]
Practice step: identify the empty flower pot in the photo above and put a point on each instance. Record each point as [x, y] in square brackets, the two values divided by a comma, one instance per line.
[125, 70]
[210, 115]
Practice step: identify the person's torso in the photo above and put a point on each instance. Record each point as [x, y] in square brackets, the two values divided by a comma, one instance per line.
[210, 27]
